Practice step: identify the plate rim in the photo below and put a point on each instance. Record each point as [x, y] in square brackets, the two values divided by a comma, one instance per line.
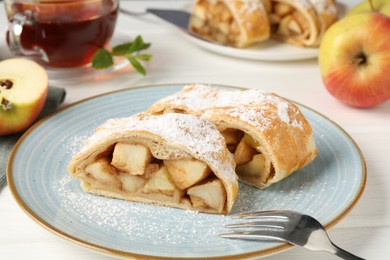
[224, 50]
[114, 252]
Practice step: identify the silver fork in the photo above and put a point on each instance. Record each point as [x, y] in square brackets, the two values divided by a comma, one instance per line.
[287, 226]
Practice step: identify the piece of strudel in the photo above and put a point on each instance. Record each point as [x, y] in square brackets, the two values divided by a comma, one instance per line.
[268, 135]
[238, 23]
[301, 22]
[173, 160]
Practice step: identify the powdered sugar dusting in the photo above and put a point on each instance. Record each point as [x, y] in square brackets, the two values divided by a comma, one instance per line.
[252, 116]
[249, 6]
[303, 3]
[283, 112]
[324, 6]
[248, 104]
[73, 144]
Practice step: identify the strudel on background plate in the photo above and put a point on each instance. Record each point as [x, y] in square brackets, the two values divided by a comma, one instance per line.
[174, 160]
[241, 23]
[269, 136]
[238, 23]
[302, 22]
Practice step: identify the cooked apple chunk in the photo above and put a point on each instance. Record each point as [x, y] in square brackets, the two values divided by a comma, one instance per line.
[282, 9]
[161, 182]
[252, 142]
[103, 173]
[198, 203]
[131, 183]
[212, 193]
[244, 152]
[232, 138]
[187, 172]
[131, 158]
[257, 169]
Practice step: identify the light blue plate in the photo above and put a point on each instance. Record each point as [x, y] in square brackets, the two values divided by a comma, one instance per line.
[326, 189]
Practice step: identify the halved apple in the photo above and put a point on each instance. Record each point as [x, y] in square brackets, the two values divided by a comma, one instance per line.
[23, 91]
[187, 172]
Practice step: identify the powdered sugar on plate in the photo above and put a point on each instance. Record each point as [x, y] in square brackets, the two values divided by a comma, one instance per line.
[160, 225]
[157, 224]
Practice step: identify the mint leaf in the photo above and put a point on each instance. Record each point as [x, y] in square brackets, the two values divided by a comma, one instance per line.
[144, 57]
[137, 65]
[127, 48]
[144, 46]
[130, 50]
[121, 49]
[102, 59]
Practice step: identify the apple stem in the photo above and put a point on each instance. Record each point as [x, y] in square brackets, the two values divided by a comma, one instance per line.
[371, 5]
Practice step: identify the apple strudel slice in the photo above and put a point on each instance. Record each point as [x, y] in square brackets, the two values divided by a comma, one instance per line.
[268, 135]
[237, 23]
[327, 13]
[173, 160]
[301, 22]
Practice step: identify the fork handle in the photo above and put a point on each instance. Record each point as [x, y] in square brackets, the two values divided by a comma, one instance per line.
[344, 254]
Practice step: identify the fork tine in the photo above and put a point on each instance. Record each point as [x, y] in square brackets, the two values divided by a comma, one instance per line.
[257, 224]
[263, 235]
[275, 215]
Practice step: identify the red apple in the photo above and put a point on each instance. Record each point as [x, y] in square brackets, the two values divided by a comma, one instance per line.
[23, 91]
[354, 59]
[382, 6]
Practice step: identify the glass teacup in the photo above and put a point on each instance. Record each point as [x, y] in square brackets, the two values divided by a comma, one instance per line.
[60, 33]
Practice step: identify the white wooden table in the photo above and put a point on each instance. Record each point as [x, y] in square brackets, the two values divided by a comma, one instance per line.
[365, 231]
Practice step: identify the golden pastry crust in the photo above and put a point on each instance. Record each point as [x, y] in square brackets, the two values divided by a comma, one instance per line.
[302, 22]
[170, 137]
[280, 132]
[238, 23]
[327, 13]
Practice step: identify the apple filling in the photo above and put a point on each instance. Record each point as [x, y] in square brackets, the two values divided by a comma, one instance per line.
[131, 170]
[288, 22]
[252, 166]
[213, 20]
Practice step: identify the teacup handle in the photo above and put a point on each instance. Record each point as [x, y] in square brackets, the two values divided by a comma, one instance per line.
[15, 29]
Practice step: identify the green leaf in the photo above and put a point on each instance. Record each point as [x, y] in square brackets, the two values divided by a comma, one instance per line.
[136, 44]
[144, 46]
[137, 65]
[121, 49]
[144, 57]
[127, 48]
[140, 44]
[102, 59]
